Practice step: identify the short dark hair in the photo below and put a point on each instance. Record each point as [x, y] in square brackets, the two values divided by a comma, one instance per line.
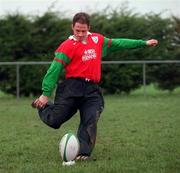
[82, 18]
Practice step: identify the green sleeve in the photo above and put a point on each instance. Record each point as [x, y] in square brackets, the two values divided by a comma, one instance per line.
[51, 78]
[112, 45]
[52, 75]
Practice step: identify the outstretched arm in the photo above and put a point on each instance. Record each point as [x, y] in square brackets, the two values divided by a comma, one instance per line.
[112, 45]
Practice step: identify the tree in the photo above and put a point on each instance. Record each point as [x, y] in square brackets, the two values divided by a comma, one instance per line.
[29, 39]
[167, 76]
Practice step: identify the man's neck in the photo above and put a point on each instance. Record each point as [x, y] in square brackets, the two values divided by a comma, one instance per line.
[82, 41]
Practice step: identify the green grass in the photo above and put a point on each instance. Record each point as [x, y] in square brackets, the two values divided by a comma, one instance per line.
[136, 134]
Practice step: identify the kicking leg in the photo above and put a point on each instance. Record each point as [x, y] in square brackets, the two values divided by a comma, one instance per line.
[56, 114]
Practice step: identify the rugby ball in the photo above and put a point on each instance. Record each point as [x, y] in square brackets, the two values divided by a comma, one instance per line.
[69, 147]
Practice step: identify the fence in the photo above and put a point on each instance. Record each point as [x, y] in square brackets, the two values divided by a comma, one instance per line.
[18, 64]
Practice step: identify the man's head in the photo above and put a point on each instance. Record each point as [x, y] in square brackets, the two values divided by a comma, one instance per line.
[82, 18]
[81, 25]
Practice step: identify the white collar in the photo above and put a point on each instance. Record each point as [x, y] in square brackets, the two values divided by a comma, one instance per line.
[72, 37]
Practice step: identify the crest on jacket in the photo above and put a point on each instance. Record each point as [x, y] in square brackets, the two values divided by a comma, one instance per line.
[95, 39]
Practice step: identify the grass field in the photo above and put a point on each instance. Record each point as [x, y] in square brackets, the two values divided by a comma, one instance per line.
[136, 134]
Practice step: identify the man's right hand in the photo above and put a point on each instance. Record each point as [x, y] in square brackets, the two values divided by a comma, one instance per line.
[40, 102]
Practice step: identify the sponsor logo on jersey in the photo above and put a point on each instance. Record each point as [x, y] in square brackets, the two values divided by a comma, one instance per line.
[89, 54]
[95, 39]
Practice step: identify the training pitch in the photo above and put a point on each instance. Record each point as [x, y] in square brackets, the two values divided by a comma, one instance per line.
[136, 134]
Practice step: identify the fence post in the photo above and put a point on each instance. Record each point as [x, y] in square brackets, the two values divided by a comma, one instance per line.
[144, 79]
[17, 81]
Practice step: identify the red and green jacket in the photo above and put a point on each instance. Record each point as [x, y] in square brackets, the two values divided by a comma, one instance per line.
[83, 60]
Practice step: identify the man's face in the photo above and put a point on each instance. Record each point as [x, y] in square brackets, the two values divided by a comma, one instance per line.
[80, 31]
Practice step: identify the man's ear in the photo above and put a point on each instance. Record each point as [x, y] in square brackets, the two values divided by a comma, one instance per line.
[72, 26]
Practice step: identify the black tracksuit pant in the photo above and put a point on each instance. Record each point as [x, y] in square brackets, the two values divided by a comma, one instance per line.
[72, 95]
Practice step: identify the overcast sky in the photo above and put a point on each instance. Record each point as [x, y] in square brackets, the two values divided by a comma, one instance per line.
[69, 7]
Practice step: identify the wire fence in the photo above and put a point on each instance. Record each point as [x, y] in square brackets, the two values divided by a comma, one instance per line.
[143, 63]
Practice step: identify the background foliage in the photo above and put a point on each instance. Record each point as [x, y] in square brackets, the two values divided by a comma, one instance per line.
[34, 38]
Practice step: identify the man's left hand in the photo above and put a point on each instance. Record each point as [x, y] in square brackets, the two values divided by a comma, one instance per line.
[151, 42]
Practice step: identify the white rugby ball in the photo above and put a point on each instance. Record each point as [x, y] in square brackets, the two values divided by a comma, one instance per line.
[69, 147]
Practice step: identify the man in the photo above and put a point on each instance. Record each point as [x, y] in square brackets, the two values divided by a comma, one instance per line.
[80, 55]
